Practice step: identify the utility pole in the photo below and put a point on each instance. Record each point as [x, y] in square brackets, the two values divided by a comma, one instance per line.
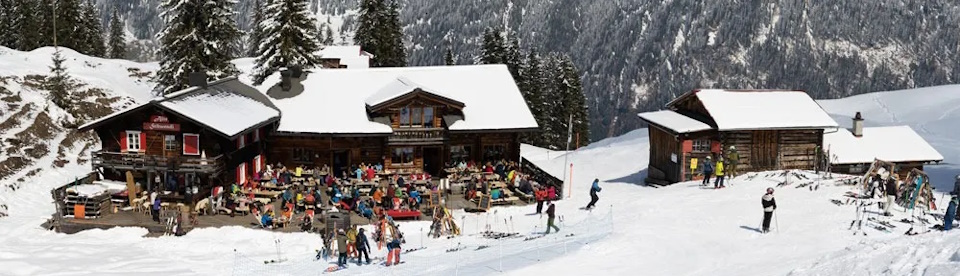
[566, 155]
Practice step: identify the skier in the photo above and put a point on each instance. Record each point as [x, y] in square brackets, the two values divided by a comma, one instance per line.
[341, 248]
[707, 171]
[891, 192]
[718, 183]
[951, 213]
[363, 247]
[732, 159]
[352, 240]
[769, 205]
[551, 214]
[956, 186]
[540, 194]
[594, 189]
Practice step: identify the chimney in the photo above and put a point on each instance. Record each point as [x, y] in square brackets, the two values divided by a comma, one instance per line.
[858, 125]
[296, 71]
[198, 79]
[285, 79]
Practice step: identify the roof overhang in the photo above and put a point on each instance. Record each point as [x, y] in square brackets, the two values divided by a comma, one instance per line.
[416, 92]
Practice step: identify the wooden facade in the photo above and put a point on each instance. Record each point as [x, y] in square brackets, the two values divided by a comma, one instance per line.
[676, 156]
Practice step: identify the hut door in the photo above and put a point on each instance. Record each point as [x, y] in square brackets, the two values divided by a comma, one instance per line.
[764, 151]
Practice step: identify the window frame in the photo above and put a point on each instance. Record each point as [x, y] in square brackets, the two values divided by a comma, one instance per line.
[168, 143]
[399, 160]
[135, 134]
[701, 145]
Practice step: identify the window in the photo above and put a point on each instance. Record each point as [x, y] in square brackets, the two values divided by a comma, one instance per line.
[701, 145]
[191, 144]
[493, 152]
[302, 155]
[402, 156]
[404, 116]
[170, 142]
[133, 140]
[428, 116]
[459, 153]
[416, 116]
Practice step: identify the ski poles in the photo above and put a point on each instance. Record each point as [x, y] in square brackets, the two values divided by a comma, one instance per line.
[775, 220]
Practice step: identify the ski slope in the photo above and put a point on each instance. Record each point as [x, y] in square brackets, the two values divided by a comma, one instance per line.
[675, 230]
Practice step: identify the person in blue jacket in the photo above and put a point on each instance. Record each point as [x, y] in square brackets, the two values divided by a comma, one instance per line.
[594, 189]
[951, 213]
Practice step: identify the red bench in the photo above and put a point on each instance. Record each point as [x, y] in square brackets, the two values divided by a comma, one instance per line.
[399, 214]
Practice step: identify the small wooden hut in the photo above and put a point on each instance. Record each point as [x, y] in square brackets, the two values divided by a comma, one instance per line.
[769, 129]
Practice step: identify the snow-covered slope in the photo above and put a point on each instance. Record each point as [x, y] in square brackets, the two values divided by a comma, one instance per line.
[675, 230]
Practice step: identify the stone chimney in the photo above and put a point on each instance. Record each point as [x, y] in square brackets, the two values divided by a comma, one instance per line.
[285, 83]
[198, 79]
[857, 125]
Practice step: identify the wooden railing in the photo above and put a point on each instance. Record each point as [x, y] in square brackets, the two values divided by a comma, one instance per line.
[418, 135]
[124, 161]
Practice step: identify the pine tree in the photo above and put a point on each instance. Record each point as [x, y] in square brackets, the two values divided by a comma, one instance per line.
[59, 83]
[532, 86]
[448, 57]
[44, 14]
[8, 23]
[379, 32]
[27, 26]
[572, 101]
[117, 42]
[70, 26]
[289, 38]
[91, 32]
[196, 37]
[327, 35]
[256, 31]
[511, 55]
[492, 50]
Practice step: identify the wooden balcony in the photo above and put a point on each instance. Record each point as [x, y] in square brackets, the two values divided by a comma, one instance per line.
[133, 161]
[418, 136]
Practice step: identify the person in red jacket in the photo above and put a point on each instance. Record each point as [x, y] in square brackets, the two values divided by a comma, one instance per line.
[540, 194]
[551, 193]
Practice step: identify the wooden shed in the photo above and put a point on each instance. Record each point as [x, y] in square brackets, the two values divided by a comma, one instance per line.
[852, 150]
[769, 129]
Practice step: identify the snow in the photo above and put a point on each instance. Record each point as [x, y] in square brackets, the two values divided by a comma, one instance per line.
[225, 112]
[491, 98]
[893, 144]
[98, 188]
[674, 121]
[398, 87]
[749, 110]
[674, 230]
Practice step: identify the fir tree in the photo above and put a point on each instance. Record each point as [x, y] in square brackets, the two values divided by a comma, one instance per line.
[59, 83]
[511, 55]
[27, 24]
[492, 50]
[45, 32]
[91, 32]
[256, 31]
[70, 26]
[327, 35]
[448, 57]
[8, 23]
[379, 32]
[117, 41]
[196, 37]
[289, 38]
[531, 85]
[572, 101]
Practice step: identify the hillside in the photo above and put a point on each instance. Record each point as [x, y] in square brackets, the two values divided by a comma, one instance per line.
[35, 137]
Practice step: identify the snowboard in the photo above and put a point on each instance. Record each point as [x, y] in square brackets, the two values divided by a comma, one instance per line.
[916, 191]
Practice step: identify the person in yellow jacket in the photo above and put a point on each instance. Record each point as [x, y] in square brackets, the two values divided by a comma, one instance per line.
[352, 240]
[718, 183]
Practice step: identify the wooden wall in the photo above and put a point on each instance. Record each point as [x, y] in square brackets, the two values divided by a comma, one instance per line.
[773, 149]
[662, 146]
[369, 150]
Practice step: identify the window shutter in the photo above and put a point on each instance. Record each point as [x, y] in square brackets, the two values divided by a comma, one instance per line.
[257, 164]
[241, 173]
[715, 146]
[687, 145]
[123, 141]
[191, 144]
[143, 142]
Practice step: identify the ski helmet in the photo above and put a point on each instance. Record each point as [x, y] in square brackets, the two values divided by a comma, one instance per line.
[770, 190]
[733, 148]
[958, 177]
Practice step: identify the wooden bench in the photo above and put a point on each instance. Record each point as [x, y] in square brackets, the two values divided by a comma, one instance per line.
[403, 214]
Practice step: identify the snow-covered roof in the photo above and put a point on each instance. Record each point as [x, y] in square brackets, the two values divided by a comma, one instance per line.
[335, 101]
[745, 110]
[399, 87]
[892, 144]
[674, 121]
[351, 56]
[226, 106]
[225, 112]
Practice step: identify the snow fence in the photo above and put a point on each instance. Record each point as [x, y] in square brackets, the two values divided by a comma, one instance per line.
[480, 257]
